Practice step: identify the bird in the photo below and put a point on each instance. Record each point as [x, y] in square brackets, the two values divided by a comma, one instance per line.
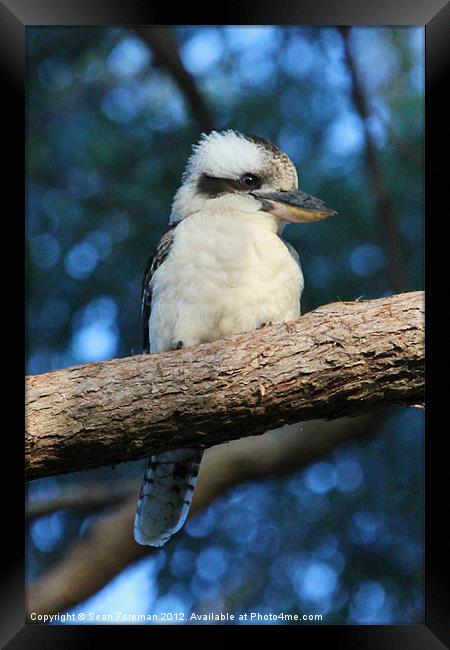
[221, 268]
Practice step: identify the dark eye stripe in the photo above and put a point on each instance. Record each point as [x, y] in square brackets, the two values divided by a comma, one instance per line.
[211, 186]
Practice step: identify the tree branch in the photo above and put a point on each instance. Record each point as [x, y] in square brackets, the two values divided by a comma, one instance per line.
[340, 360]
[375, 169]
[164, 46]
[84, 498]
[91, 562]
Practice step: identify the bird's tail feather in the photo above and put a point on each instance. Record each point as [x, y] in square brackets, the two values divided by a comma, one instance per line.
[166, 495]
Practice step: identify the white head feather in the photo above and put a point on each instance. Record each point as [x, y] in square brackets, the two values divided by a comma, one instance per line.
[228, 155]
[225, 155]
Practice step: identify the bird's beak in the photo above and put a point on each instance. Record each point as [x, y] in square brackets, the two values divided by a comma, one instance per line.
[295, 206]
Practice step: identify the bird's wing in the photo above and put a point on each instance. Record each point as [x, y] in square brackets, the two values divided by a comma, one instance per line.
[292, 251]
[158, 256]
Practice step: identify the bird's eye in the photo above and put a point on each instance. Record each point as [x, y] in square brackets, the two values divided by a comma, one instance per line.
[250, 181]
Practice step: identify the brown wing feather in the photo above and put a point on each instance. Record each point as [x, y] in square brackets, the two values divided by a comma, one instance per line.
[160, 252]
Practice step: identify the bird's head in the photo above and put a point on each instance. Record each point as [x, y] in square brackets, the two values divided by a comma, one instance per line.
[234, 171]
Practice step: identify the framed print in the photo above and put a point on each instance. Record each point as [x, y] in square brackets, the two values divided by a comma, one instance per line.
[225, 322]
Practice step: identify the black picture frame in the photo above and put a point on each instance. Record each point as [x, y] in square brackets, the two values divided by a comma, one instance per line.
[434, 15]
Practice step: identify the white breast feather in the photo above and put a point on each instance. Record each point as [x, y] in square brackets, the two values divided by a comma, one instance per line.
[224, 275]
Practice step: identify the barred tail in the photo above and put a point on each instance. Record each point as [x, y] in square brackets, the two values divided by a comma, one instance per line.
[166, 495]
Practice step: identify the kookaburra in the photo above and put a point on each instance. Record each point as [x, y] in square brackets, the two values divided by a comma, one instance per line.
[220, 269]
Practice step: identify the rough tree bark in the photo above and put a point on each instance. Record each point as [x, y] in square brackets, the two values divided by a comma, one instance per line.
[339, 360]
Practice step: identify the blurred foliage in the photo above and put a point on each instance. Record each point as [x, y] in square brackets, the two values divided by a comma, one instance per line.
[108, 137]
